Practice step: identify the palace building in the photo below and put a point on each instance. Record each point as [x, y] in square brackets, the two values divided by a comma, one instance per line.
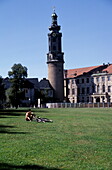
[88, 84]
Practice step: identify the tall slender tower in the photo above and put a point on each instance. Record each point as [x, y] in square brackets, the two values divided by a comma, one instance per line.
[55, 60]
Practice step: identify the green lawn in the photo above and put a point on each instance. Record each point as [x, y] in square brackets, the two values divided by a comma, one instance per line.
[78, 139]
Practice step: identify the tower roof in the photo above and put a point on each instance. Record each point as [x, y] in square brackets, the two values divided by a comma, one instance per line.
[54, 15]
[54, 18]
[54, 25]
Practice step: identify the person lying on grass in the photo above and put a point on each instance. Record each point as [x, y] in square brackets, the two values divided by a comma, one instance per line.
[29, 115]
[39, 119]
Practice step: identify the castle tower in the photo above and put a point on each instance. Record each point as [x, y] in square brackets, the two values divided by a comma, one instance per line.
[55, 60]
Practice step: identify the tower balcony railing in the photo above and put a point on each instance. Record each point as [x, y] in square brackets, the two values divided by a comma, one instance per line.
[52, 58]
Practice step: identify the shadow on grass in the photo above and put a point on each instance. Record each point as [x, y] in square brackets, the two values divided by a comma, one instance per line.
[5, 129]
[8, 132]
[5, 166]
[10, 113]
[17, 112]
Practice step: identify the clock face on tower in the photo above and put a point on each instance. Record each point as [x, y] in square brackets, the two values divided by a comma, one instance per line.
[54, 34]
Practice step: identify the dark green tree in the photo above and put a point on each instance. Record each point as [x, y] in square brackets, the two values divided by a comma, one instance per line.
[17, 77]
[2, 92]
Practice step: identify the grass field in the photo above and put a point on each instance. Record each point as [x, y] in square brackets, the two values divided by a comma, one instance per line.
[78, 139]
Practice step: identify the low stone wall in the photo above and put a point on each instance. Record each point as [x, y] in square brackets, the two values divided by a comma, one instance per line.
[78, 105]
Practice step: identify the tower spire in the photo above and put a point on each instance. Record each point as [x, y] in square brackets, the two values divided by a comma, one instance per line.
[54, 18]
[54, 26]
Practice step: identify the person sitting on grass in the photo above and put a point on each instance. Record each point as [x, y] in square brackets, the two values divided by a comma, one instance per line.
[29, 115]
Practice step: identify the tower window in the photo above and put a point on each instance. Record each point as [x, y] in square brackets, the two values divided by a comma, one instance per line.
[59, 45]
[54, 47]
[54, 39]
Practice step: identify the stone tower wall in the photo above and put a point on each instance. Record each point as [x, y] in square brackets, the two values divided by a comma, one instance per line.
[55, 76]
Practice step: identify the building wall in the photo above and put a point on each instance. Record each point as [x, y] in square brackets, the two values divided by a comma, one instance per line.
[93, 88]
[103, 87]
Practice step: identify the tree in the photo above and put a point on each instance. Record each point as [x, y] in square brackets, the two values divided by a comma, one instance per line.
[2, 92]
[17, 77]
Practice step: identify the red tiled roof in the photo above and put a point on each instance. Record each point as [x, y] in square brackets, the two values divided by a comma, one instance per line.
[108, 69]
[79, 71]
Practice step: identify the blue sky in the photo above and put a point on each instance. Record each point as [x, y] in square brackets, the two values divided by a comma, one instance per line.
[86, 27]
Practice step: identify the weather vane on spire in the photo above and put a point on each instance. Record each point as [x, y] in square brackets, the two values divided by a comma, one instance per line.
[54, 9]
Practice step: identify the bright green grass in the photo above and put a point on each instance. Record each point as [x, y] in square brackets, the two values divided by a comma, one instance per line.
[78, 139]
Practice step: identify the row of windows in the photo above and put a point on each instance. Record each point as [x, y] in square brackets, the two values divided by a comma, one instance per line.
[79, 81]
[80, 91]
[102, 89]
[103, 78]
[87, 80]
[84, 90]
[87, 90]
